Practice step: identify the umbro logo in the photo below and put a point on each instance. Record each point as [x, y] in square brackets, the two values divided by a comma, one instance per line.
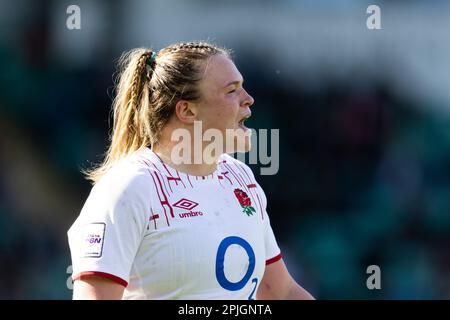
[185, 204]
[191, 214]
[188, 205]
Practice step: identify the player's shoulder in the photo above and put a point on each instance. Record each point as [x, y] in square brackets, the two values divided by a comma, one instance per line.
[126, 175]
[232, 163]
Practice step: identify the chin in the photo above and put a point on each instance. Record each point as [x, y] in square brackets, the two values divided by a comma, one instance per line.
[243, 142]
[238, 140]
[247, 148]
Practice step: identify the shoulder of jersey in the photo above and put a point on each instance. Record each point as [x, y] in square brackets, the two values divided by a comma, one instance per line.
[227, 159]
[127, 172]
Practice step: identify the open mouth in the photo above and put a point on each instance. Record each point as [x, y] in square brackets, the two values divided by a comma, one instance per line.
[242, 121]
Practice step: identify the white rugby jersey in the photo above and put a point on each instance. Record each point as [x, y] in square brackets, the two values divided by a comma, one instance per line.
[164, 234]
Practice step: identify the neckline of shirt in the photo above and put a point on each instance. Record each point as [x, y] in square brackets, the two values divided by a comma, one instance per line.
[164, 168]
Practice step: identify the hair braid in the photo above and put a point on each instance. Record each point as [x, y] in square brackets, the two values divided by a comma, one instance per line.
[130, 116]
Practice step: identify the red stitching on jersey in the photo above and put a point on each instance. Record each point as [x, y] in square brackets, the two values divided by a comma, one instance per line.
[165, 197]
[245, 171]
[189, 180]
[170, 177]
[162, 162]
[163, 187]
[225, 175]
[232, 172]
[157, 192]
[153, 217]
[219, 178]
[164, 165]
[176, 179]
[165, 181]
[179, 178]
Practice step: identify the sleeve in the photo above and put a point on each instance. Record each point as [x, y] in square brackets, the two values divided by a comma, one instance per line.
[106, 236]
[273, 252]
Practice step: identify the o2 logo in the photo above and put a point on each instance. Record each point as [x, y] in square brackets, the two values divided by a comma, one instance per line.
[220, 273]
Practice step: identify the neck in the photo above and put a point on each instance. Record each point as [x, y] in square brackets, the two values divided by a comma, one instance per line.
[195, 165]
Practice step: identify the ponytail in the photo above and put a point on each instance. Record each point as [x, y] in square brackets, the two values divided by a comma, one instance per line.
[132, 101]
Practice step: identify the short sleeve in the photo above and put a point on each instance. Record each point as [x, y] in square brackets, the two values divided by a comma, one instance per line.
[273, 252]
[107, 234]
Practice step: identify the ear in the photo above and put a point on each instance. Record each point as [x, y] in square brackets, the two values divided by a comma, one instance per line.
[185, 111]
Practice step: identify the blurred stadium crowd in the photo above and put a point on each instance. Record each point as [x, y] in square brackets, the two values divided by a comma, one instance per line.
[364, 147]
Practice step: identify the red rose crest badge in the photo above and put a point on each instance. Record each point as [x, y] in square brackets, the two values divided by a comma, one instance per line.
[244, 201]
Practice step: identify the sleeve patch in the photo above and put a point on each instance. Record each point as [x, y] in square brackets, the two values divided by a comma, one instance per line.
[92, 238]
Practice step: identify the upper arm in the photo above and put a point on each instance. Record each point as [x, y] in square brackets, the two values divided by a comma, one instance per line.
[97, 288]
[277, 283]
[106, 236]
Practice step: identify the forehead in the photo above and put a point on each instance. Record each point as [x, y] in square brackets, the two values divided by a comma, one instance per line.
[219, 72]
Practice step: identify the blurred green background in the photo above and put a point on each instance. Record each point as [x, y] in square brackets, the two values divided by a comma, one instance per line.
[364, 119]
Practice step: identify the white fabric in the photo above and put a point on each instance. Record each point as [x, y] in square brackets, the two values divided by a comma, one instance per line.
[175, 255]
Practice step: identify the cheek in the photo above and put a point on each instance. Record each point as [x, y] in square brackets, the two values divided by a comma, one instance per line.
[226, 111]
[220, 119]
[228, 118]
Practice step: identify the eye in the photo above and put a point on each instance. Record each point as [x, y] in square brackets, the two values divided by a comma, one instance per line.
[234, 90]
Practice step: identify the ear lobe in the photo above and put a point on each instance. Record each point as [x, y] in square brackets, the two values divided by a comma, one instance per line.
[185, 111]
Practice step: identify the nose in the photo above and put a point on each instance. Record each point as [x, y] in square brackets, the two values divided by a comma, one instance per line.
[248, 100]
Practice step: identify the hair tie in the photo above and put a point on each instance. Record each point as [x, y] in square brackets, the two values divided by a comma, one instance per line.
[151, 59]
[150, 64]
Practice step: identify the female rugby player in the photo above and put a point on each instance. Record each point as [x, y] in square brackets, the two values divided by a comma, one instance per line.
[156, 228]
